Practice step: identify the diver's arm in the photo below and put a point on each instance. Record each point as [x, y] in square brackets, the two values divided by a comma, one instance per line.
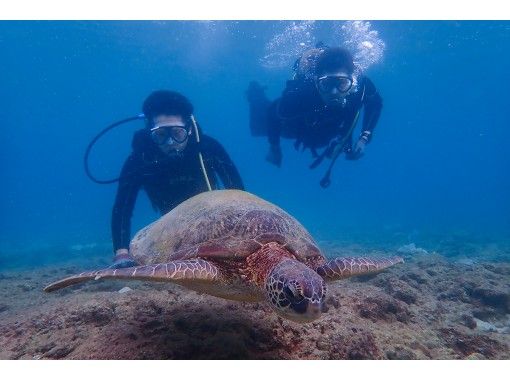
[127, 191]
[223, 165]
[373, 105]
[372, 101]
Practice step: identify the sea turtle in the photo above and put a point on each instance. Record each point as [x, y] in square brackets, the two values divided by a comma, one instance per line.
[235, 245]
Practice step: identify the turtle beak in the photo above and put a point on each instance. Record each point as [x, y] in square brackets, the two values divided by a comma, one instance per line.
[315, 309]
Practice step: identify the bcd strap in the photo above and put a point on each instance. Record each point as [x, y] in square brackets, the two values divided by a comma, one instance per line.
[326, 180]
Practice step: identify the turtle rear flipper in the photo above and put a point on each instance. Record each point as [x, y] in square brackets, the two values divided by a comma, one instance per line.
[344, 267]
[183, 272]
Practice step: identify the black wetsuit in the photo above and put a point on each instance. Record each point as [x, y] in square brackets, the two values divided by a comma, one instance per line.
[167, 180]
[301, 114]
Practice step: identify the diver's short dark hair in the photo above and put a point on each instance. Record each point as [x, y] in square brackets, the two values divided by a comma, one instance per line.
[164, 102]
[333, 59]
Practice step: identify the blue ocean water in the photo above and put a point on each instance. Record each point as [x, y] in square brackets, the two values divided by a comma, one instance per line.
[437, 165]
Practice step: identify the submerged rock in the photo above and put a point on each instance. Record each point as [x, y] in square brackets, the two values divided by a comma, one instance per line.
[385, 309]
[358, 345]
[400, 353]
[485, 326]
[466, 345]
[496, 298]
[401, 290]
[412, 249]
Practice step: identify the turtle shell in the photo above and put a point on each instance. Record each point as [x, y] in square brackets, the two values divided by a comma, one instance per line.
[221, 224]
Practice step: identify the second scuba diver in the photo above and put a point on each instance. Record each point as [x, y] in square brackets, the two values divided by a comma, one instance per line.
[319, 108]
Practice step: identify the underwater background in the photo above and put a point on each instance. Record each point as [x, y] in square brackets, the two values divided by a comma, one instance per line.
[436, 169]
[432, 187]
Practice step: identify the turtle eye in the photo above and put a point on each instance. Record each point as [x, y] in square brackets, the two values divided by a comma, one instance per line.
[293, 293]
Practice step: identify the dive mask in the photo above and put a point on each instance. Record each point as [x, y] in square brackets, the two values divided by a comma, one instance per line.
[328, 83]
[169, 134]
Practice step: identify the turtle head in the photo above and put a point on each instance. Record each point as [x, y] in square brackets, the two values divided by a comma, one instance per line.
[295, 291]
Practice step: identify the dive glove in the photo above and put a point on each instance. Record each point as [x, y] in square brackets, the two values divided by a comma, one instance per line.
[123, 259]
[359, 149]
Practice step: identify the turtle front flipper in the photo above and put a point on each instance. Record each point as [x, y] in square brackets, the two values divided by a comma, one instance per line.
[343, 267]
[183, 272]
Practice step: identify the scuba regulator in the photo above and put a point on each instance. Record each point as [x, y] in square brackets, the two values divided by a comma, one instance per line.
[128, 120]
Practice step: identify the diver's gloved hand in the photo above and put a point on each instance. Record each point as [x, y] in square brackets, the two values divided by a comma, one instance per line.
[123, 259]
[358, 150]
[275, 155]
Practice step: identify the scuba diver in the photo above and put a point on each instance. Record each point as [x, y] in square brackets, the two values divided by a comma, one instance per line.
[172, 160]
[319, 108]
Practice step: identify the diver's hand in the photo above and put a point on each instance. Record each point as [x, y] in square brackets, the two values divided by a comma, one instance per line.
[358, 151]
[123, 259]
[275, 155]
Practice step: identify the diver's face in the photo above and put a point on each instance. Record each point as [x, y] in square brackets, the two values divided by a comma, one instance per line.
[178, 137]
[334, 86]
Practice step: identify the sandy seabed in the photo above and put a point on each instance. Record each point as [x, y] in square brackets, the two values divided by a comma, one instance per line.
[427, 308]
